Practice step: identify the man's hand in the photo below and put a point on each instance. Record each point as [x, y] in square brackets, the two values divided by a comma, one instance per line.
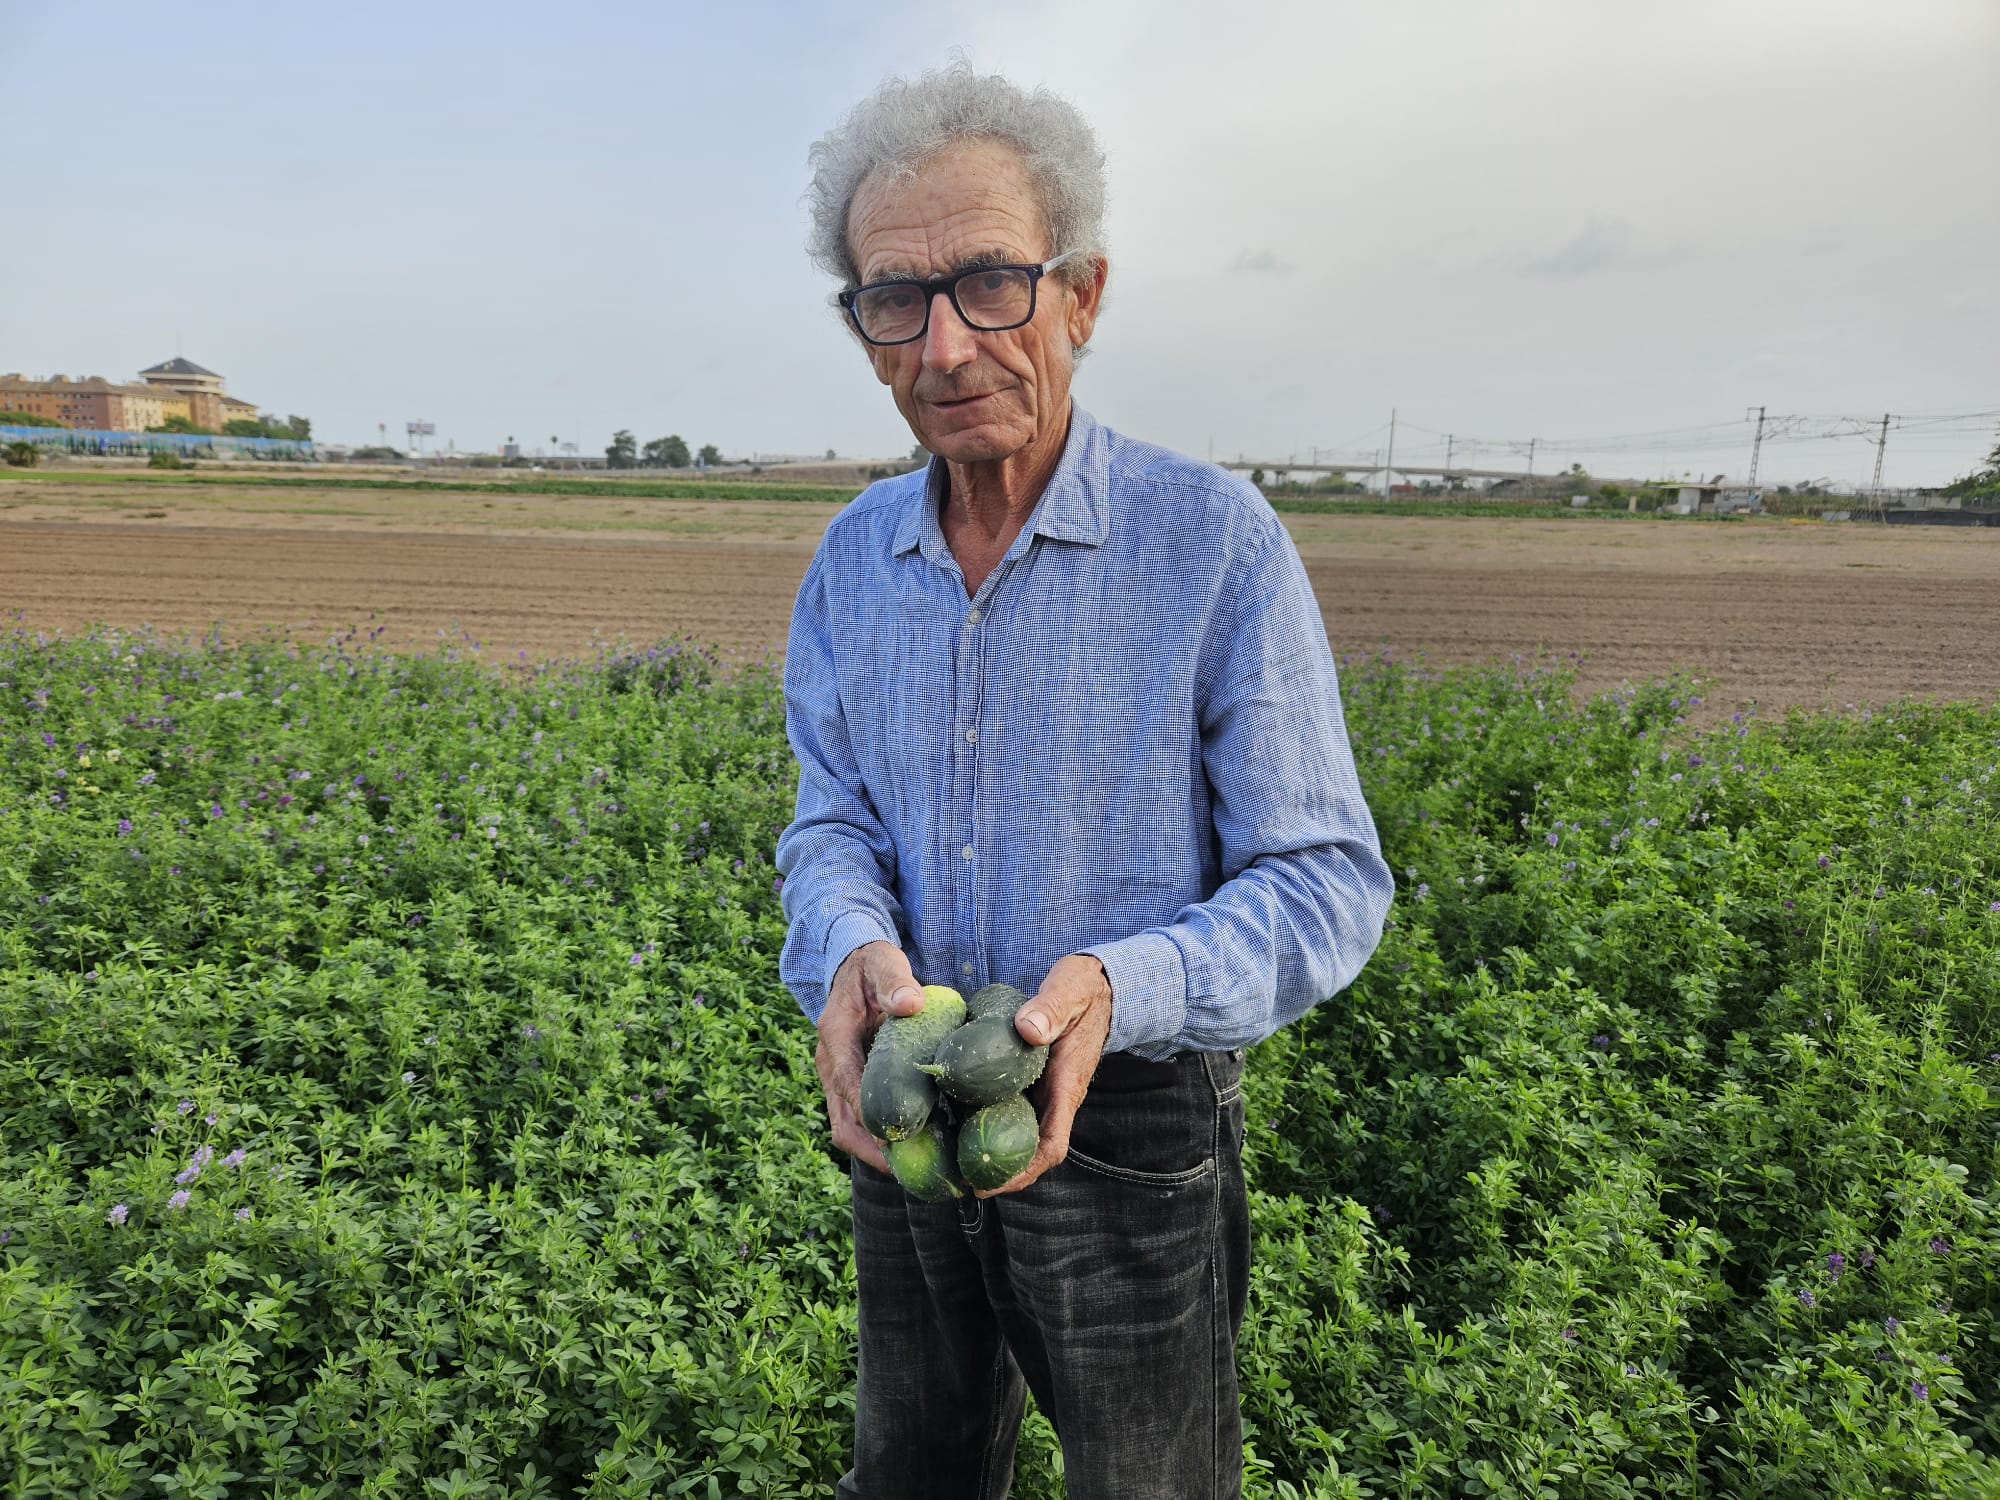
[873, 983]
[1071, 1013]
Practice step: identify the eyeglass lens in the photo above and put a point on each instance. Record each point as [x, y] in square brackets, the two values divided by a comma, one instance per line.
[990, 300]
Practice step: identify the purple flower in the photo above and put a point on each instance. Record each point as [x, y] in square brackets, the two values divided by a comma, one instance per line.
[1824, 861]
[1940, 1247]
[1423, 893]
[187, 1106]
[215, 809]
[1601, 1042]
[1835, 1264]
[147, 779]
[243, 1215]
[1921, 1391]
[409, 1078]
[1867, 1260]
[236, 1158]
[208, 1119]
[119, 1213]
[187, 1175]
[1995, 908]
[1554, 839]
[179, 1200]
[1570, 1334]
[124, 828]
[1891, 1325]
[1806, 1298]
[636, 959]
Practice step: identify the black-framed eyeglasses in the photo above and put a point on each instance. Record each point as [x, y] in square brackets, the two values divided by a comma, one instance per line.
[991, 299]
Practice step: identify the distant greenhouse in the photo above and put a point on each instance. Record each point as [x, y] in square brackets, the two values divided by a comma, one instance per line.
[110, 444]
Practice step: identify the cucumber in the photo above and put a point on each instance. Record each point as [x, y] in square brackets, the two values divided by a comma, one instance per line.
[986, 1060]
[995, 1000]
[927, 1163]
[896, 1099]
[996, 1142]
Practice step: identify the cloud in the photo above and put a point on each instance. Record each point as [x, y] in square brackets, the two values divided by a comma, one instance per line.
[1599, 246]
[1263, 262]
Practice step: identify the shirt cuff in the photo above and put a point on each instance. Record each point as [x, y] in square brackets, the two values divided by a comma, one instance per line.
[849, 932]
[1148, 990]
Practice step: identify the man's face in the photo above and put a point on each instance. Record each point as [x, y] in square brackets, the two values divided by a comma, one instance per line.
[972, 396]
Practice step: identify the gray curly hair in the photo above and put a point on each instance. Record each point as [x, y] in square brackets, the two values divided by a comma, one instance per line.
[903, 124]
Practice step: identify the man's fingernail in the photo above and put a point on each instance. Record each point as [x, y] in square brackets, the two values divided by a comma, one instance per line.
[907, 992]
[1037, 1023]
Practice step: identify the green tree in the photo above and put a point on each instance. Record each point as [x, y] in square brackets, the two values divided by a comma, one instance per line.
[919, 454]
[669, 452]
[184, 426]
[1980, 484]
[709, 456]
[251, 427]
[1257, 478]
[299, 429]
[26, 419]
[22, 455]
[623, 452]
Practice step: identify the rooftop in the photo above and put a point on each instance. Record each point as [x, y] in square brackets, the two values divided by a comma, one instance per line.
[179, 366]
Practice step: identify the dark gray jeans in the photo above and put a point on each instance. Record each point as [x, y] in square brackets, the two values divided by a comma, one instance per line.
[1113, 1288]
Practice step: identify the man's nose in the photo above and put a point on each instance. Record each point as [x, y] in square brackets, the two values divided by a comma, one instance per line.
[948, 343]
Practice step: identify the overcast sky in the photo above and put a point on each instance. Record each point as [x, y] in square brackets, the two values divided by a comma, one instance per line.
[1569, 220]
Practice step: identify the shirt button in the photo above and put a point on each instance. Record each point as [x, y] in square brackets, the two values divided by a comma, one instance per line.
[966, 851]
[966, 968]
[972, 736]
[972, 617]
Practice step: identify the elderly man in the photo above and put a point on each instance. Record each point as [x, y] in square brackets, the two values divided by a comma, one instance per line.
[1065, 717]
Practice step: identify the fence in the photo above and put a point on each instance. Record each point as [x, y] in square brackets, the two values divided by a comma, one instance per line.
[105, 444]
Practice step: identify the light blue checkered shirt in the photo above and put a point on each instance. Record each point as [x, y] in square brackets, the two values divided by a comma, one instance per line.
[1129, 743]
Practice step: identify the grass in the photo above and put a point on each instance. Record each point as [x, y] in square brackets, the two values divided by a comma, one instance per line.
[645, 489]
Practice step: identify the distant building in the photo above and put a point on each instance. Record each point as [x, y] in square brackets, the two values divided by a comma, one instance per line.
[178, 388]
[209, 405]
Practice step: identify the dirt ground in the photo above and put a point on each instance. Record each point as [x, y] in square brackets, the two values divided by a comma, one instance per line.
[1777, 613]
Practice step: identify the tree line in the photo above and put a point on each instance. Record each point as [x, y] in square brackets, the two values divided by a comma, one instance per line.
[669, 452]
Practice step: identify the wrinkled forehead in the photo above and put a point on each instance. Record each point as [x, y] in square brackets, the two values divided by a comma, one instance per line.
[969, 204]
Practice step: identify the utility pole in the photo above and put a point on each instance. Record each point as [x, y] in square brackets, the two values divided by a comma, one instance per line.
[1531, 459]
[1389, 464]
[1756, 446]
[1881, 443]
[1447, 460]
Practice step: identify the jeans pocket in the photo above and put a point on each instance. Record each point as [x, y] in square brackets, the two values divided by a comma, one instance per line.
[1162, 1181]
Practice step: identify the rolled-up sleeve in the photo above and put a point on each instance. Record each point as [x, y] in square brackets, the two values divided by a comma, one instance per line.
[837, 861]
[1305, 889]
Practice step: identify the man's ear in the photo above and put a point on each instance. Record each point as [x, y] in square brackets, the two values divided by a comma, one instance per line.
[1086, 300]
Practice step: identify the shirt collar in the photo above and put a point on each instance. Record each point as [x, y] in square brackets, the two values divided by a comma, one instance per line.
[1075, 507]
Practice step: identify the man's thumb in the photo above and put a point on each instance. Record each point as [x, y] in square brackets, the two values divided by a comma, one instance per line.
[1040, 1024]
[901, 995]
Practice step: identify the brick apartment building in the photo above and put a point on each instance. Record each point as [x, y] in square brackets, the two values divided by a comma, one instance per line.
[177, 388]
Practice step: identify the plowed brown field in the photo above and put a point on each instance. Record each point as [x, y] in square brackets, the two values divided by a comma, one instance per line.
[1775, 612]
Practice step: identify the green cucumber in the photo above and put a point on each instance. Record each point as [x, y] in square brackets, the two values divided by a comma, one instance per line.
[995, 1000]
[996, 1142]
[986, 1060]
[896, 1099]
[927, 1163]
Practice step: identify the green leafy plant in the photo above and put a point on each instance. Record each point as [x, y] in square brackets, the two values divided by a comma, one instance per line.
[397, 1096]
